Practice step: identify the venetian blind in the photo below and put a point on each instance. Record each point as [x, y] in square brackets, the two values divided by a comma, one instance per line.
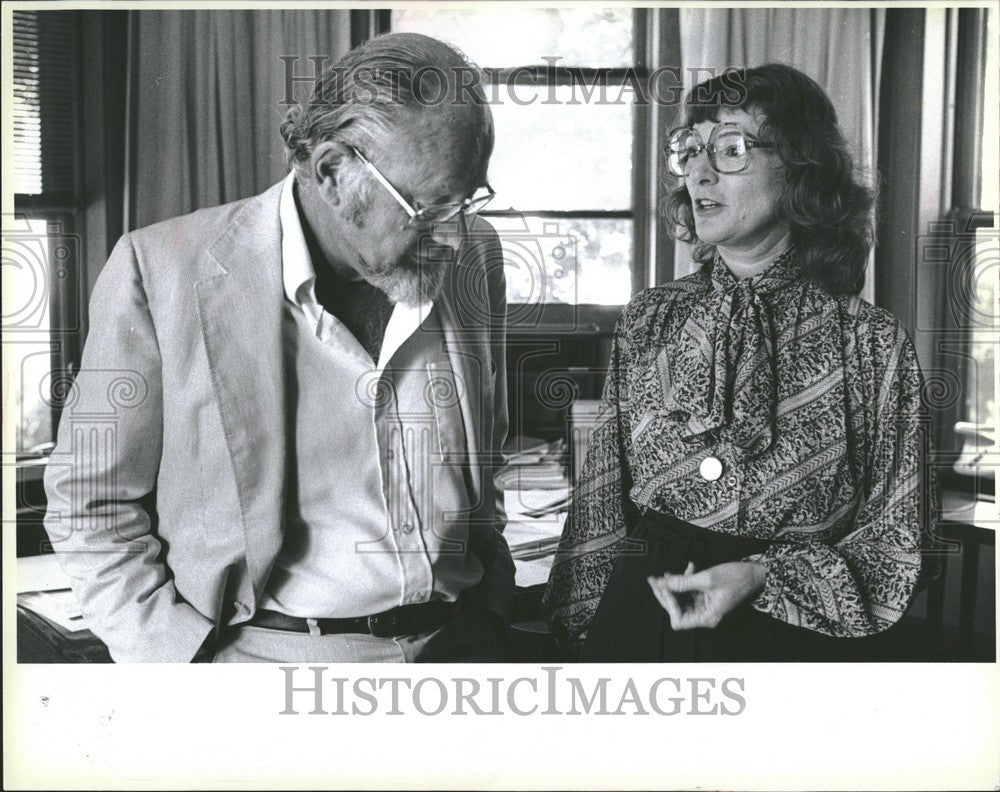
[45, 92]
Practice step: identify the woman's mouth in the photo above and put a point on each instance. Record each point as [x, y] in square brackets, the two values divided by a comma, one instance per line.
[706, 205]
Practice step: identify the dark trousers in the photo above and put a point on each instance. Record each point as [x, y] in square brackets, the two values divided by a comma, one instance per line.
[630, 625]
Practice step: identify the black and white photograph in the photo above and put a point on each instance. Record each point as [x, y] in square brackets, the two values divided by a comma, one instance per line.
[538, 361]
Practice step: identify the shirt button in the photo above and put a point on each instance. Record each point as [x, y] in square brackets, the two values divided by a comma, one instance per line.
[407, 527]
[710, 468]
[390, 454]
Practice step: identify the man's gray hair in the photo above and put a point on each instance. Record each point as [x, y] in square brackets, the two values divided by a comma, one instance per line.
[377, 86]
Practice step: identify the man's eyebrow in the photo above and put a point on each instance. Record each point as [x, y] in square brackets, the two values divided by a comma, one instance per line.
[448, 198]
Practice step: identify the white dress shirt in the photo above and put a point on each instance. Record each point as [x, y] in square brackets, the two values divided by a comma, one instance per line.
[376, 503]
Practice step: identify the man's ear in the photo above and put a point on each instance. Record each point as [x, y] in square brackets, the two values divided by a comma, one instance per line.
[326, 169]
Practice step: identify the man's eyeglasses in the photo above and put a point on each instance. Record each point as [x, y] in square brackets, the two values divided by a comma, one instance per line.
[727, 148]
[436, 213]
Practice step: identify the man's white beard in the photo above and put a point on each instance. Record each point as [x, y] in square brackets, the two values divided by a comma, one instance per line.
[410, 283]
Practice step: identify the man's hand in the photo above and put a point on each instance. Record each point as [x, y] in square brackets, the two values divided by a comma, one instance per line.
[701, 599]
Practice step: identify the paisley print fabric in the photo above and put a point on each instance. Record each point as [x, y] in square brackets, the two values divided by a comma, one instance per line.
[812, 404]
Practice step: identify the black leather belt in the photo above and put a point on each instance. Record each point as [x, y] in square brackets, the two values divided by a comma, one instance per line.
[404, 620]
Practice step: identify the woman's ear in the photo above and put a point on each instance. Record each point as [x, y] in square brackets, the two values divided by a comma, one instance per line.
[326, 170]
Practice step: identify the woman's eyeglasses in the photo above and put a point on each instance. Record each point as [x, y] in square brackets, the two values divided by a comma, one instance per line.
[728, 149]
[436, 213]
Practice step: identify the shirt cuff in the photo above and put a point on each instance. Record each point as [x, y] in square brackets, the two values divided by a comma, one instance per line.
[768, 598]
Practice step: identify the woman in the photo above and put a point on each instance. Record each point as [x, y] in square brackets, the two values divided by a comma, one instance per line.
[754, 488]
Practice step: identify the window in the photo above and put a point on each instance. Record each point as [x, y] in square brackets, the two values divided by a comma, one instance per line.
[26, 307]
[981, 405]
[569, 165]
[41, 252]
[44, 103]
[972, 286]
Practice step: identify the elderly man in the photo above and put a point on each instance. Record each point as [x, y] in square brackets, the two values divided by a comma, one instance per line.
[280, 445]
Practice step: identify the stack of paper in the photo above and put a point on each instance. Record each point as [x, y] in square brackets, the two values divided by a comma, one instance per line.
[535, 520]
[43, 587]
[59, 607]
[534, 464]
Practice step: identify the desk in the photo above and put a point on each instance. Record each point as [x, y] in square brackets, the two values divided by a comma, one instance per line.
[967, 526]
[962, 596]
[42, 641]
[531, 641]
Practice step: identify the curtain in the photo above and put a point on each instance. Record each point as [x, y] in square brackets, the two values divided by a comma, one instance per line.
[206, 98]
[839, 48]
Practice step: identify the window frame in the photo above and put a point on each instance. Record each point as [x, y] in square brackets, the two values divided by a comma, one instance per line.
[966, 216]
[62, 212]
[967, 176]
[654, 31]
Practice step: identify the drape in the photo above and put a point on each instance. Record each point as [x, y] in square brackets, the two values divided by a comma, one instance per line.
[206, 98]
[840, 48]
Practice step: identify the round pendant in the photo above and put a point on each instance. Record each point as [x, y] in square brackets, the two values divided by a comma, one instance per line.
[711, 468]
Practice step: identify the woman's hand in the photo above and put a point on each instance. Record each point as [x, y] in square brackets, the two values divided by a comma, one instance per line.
[701, 599]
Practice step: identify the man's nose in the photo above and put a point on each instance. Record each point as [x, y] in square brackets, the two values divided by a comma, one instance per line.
[450, 232]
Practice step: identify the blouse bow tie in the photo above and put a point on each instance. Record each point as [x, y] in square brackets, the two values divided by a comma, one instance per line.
[721, 374]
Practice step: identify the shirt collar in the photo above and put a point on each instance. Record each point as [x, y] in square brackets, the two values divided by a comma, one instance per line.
[299, 277]
[297, 272]
[782, 272]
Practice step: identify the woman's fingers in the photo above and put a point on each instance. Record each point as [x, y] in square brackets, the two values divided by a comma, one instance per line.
[666, 599]
[696, 581]
[702, 599]
[700, 614]
[687, 616]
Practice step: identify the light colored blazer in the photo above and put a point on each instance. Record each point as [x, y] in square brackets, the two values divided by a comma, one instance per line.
[165, 490]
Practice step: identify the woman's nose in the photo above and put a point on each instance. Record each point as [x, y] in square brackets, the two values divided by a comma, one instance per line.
[700, 169]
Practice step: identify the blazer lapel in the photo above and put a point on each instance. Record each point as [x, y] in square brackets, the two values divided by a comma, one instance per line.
[469, 354]
[240, 308]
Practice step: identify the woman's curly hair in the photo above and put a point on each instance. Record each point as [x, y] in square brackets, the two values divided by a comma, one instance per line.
[829, 212]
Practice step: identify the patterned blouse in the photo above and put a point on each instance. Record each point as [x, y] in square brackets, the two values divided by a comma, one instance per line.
[812, 404]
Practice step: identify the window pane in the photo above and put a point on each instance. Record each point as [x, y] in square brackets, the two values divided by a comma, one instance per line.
[981, 406]
[26, 106]
[991, 123]
[44, 94]
[578, 261]
[505, 37]
[27, 350]
[552, 154]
